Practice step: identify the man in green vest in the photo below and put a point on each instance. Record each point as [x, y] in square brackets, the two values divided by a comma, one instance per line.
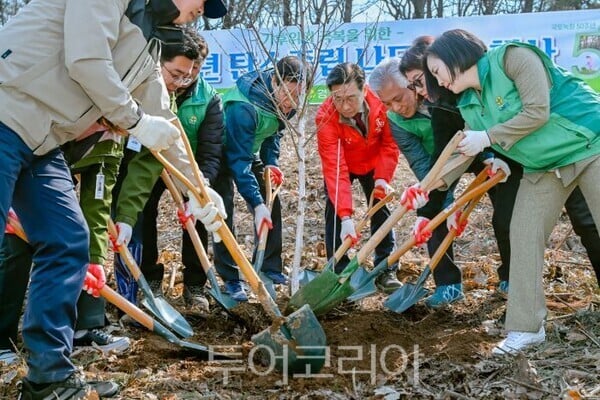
[255, 111]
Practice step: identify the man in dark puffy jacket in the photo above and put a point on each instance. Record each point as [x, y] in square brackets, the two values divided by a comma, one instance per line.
[255, 110]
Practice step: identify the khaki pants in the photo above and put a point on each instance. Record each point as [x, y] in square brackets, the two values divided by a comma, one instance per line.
[536, 210]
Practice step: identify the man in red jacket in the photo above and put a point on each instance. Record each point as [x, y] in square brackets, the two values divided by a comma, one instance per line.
[355, 142]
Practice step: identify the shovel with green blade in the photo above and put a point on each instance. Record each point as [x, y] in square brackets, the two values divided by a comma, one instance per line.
[329, 289]
[297, 342]
[410, 293]
[223, 299]
[157, 305]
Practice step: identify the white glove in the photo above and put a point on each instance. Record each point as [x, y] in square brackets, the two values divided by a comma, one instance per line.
[498, 164]
[452, 221]
[156, 133]
[262, 218]
[414, 197]
[348, 230]
[473, 143]
[381, 189]
[208, 214]
[419, 231]
[125, 232]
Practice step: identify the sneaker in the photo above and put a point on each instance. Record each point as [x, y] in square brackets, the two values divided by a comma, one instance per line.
[444, 295]
[100, 339]
[277, 277]
[7, 357]
[235, 289]
[156, 288]
[74, 387]
[194, 296]
[516, 341]
[502, 289]
[388, 282]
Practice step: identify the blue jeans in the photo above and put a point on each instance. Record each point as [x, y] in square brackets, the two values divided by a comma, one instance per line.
[40, 190]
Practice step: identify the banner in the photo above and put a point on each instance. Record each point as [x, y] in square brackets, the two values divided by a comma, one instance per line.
[570, 38]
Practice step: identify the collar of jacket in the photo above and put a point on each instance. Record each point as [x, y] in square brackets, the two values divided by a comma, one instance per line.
[150, 15]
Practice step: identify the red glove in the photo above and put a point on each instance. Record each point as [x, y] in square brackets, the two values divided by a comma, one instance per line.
[414, 197]
[9, 228]
[420, 231]
[381, 189]
[276, 175]
[94, 280]
[453, 223]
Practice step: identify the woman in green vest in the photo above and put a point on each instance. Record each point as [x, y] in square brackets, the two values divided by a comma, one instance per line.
[514, 99]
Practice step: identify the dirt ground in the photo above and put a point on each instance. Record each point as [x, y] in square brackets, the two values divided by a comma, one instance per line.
[373, 352]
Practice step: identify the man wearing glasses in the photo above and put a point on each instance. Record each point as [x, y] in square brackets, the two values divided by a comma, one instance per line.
[355, 142]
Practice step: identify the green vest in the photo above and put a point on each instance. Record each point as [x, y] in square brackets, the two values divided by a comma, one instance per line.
[267, 122]
[192, 111]
[572, 132]
[419, 125]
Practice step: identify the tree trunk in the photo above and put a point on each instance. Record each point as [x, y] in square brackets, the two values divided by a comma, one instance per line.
[347, 11]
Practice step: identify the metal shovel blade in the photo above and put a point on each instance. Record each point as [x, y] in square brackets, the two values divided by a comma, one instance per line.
[312, 293]
[298, 346]
[409, 294]
[363, 281]
[168, 315]
[307, 275]
[223, 299]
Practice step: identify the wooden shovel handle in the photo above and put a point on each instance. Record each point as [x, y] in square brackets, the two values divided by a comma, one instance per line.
[189, 224]
[227, 237]
[270, 194]
[135, 270]
[430, 182]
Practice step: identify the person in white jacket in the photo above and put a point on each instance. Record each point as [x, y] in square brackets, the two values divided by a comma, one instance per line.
[64, 65]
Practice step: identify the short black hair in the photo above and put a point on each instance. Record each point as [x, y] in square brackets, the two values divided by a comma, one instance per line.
[290, 69]
[203, 49]
[414, 57]
[459, 50]
[188, 47]
[345, 73]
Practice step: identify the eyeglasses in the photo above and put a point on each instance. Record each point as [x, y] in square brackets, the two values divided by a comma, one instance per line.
[417, 83]
[178, 79]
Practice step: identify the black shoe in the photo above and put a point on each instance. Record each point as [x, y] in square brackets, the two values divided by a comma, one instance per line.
[388, 281]
[194, 296]
[72, 388]
[102, 340]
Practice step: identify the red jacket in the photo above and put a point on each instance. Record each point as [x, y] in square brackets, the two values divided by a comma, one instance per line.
[359, 155]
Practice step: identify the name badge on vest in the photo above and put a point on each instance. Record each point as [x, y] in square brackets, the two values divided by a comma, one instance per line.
[134, 144]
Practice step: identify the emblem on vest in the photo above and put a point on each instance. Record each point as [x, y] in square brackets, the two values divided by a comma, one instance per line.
[500, 103]
[193, 120]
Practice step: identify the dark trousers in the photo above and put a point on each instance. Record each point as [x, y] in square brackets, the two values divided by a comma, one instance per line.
[333, 226]
[15, 265]
[193, 273]
[223, 261]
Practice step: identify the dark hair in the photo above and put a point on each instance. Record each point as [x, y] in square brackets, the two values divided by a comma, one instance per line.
[345, 73]
[456, 48]
[414, 57]
[203, 49]
[188, 47]
[290, 69]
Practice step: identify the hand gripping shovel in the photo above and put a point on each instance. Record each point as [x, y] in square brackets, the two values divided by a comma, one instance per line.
[297, 342]
[133, 311]
[156, 305]
[270, 194]
[223, 299]
[307, 275]
[363, 281]
[329, 289]
[410, 293]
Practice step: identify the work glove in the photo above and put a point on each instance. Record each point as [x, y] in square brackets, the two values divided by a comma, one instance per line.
[11, 215]
[420, 231]
[208, 214]
[276, 175]
[156, 133]
[473, 143]
[453, 223]
[381, 189]
[414, 197]
[94, 280]
[124, 230]
[262, 218]
[498, 164]
[348, 230]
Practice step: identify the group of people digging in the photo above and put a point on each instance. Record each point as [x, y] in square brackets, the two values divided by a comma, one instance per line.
[101, 70]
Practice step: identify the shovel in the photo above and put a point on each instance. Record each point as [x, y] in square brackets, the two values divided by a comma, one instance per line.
[410, 293]
[307, 275]
[157, 305]
[270, 194]
[223, 299]
[132, 310]
[297, 342]
[329, 289]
